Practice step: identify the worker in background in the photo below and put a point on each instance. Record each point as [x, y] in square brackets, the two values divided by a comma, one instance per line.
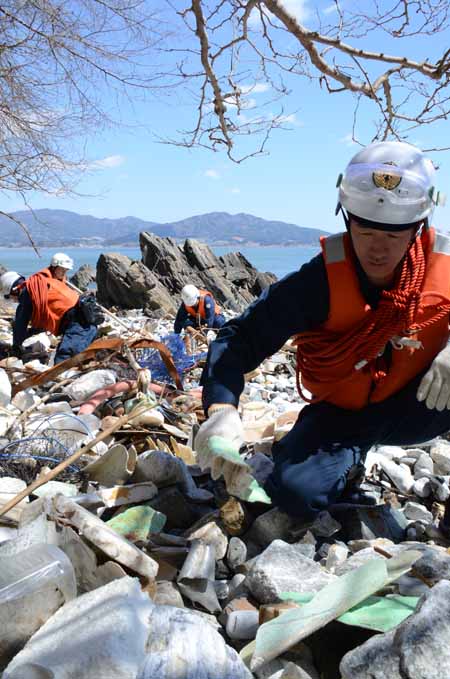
[198, 309]
[370, 318]
[47, 302]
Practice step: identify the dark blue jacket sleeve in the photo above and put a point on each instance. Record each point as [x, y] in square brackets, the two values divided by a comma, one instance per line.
[180, 319]
[209, 312]
[297, 303]
[23, 317]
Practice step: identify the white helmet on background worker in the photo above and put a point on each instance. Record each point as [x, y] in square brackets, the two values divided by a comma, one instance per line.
[7, 280]
[390, 183]
[190, 295]
[63, 260]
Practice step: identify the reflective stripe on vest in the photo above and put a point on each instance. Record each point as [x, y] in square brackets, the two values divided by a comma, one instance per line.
[333, 248]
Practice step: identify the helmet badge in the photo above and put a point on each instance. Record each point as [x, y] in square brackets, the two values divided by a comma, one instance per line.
[387, 179]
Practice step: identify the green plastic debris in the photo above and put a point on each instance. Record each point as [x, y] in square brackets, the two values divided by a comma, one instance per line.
[136, 523]
[225, 461]
[341, 595]
[380, 614]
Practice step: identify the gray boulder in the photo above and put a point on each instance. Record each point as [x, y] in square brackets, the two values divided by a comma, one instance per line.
[419, 648]
[83, 277]
[130, 284]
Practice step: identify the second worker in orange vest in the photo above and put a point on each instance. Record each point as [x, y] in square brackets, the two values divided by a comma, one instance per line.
[47, 303]
[198, 308]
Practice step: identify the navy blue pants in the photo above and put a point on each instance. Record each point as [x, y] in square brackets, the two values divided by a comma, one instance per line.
[313, 460]
[77, 335]
[219, 320]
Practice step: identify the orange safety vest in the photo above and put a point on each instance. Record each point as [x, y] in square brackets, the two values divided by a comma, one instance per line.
[51, 298]
[200, 310]
[348, 308]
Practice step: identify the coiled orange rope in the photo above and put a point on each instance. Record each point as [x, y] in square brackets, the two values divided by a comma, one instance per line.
[320, 351]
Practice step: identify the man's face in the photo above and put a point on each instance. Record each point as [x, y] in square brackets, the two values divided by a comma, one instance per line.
[380, 252]
[59, 272]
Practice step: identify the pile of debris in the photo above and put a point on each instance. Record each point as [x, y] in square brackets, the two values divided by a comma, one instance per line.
[125, 555]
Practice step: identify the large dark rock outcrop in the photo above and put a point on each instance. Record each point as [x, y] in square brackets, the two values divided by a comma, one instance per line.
[233, 281]
[155, 283]
[129, 284]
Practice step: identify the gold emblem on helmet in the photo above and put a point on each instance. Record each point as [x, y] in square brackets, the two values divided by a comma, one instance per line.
[387, 179]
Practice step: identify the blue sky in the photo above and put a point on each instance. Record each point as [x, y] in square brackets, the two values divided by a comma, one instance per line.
[132, 174]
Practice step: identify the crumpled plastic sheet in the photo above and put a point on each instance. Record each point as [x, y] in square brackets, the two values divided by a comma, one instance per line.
[150, 358]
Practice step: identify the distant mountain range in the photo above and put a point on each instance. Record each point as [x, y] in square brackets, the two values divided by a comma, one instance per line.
[60, 227]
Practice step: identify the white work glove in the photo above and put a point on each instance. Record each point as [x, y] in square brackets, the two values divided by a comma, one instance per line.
[217, 444]
[225, 423]
[434, 388]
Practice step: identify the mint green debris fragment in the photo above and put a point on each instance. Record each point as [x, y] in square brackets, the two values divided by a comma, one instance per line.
[380, 614]
[338, 597]
[221, 447]
[136, 523]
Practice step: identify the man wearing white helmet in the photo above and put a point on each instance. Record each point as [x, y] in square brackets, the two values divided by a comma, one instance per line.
[198, 308]
[370, 318]
[47, 303]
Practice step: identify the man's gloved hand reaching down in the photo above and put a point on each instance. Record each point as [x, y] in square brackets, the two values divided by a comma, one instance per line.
[217, 445]
[434, 388]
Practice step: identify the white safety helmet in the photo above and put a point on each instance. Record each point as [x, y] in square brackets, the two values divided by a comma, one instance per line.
[7, 280]
[190, 295]
[389, 182]
[63, 260]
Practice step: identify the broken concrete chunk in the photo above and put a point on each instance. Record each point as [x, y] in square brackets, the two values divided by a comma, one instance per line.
[416, 512]
[181, 645]
[337, 554]
[25, 399]
[283, 567]
[270, 526]
[100, 634]
[237, 552]
[211, 534]
[418, 648]
[164, 469]
[440, 454]
[399, 474]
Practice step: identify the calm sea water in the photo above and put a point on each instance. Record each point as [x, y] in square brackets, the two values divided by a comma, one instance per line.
[278, 260]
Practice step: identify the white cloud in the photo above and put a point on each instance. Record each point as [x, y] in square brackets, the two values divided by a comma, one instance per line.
[347, 140]
[255, 89]
[107, 163]
[291, 119]
[296, 8]
[235, 189]
[213, 174]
